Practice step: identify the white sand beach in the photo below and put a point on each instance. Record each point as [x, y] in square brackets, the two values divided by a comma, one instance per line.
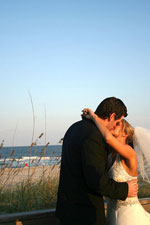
[12, 176]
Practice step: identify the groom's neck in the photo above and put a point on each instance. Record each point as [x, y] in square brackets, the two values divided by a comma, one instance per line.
[105, 121]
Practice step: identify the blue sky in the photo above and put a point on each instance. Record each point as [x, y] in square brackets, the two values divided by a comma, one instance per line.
[70, 55]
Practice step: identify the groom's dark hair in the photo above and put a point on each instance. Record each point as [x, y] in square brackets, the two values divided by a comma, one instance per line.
[111, 105]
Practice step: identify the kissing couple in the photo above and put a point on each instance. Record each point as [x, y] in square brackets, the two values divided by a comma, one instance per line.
[100, 155]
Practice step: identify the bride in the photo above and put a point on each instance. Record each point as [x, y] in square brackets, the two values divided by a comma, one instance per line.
[122, 166]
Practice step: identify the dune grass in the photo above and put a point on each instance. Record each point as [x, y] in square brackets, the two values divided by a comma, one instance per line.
[144, 189]
[29, 196]
[41, 194]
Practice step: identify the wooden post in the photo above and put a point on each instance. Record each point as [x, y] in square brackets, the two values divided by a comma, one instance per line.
[18, 222]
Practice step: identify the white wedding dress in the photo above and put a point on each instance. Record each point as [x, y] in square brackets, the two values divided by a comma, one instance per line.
[130, 211]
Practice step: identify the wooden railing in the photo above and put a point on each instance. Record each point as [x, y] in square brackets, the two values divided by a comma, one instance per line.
[44, 217]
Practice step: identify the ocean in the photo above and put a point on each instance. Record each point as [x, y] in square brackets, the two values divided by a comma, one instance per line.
[22, 156]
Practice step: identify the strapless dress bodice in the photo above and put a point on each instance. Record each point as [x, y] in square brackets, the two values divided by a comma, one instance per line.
[118, 173]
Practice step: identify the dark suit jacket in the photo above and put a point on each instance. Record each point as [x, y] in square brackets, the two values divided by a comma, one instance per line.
[83, 179]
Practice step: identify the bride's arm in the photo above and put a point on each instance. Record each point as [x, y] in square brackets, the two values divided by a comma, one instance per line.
[123, 149]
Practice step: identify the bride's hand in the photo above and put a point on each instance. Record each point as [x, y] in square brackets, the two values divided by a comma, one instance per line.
[88, 113]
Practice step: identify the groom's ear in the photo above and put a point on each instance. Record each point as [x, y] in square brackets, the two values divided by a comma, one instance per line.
[112, 117]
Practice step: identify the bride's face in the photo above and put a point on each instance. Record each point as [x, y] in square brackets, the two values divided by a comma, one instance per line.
[117, 130]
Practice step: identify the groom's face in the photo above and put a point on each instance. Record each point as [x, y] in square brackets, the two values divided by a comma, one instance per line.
[112, 122]
[117, 130]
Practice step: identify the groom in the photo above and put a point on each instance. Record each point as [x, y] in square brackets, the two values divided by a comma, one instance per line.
[83, 178]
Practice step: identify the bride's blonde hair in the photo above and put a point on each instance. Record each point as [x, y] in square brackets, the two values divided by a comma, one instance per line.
[128, 129]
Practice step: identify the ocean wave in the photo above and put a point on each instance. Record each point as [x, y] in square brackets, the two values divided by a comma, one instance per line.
[28, 161]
